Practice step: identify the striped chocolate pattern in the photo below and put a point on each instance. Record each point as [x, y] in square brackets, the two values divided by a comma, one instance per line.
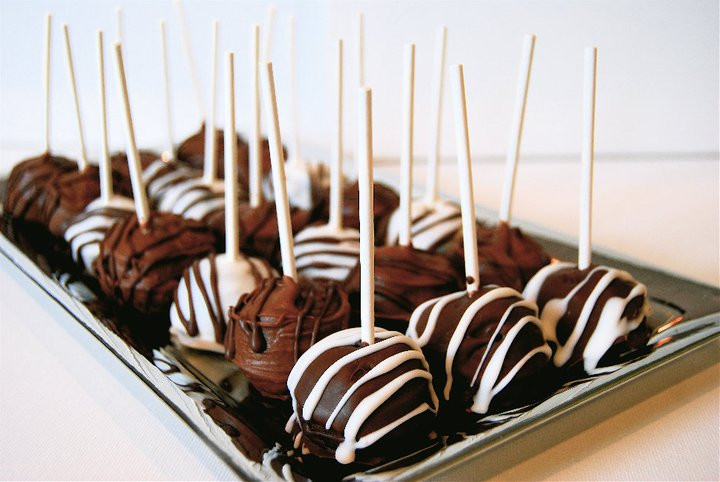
[431, 226]
[325, 252]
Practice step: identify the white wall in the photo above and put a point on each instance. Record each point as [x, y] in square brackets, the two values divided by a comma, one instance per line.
[657, 89]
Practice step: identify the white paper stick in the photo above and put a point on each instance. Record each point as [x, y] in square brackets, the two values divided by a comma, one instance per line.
[360, 46]
[588, 157]
[190, 58]
[278, 172]
[367, 228]
[467, 201]
[106, 187]
[210, 158]
[170, 147]
[119, 18]
[513, 153]
[433, 161]
[82, 159]
[268, 33]
[46, 79]
[294, 127]
[255, 146]
[142, 207]
[232, 235]
[336, 180]
[406, 153]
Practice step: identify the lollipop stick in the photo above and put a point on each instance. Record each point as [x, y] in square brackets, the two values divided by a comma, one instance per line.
[232, 237]
[82, 160]
[431, 187]
[190, 58]
[170, 148]
[367, 236]
[513, 153]
[588, 155]
[210, 159]
[406, 155]
[119, 18]
[295, 147]
[46, 79]
[360, 49]
[336, 181]
[255, 166]
[278, 172]
[467, 202]
[106, 187]
[142, 207]
[269, 32]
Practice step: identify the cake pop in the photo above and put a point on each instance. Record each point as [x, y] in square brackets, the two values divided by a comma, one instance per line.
[588, 310]
[362, 395]
[481, 343]
[271, 327]
[330, 251]
[142, 258]
[212, 285]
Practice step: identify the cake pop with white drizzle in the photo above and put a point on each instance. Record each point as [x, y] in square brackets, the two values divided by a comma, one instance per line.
[271, 327]
[362, 395]
[484, 345]
[210, 286]
[87, 229]
[329, 250]
[589, 311]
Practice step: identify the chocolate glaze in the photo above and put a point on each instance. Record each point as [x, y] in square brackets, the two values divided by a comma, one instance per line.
[272, 326]
[121, 171]
[404, 278]
[140, 266]
[502, 341]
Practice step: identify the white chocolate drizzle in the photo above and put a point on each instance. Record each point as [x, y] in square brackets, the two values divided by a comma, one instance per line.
[431, 225]
[326, 252]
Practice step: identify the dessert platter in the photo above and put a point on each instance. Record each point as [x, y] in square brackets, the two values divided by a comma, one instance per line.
[313, 326]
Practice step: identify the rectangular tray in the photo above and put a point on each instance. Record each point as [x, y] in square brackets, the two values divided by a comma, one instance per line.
[213, 398]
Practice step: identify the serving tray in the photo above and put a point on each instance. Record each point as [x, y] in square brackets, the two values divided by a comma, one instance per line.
[247, 431]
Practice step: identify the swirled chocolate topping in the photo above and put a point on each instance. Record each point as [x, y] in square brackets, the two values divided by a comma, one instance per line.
[587, 312]
[26, 189]
[362, 403]
[271, 327]
[404, 278]
[485, 350]
[140, 266]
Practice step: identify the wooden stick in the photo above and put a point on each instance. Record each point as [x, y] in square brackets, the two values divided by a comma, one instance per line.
[467, 201]
[46, 79]
[106, 186]
[82, 160]
[170, 147]
[513, 153]
[255, 146]
[142, 206]
[210, 158]
[367, 229]
[190, 58]
[360, 49]
[294, 127]
[268, 33]
[431, 187]
[119, 18]
[406, 154]
[336, 181]
[588, 158]
[232, 234]
[278, 172]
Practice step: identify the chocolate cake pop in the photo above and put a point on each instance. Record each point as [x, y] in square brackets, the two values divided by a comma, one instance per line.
[212, 285]
[483, 344]
[385, 201]
[362, 395]
[434, 226]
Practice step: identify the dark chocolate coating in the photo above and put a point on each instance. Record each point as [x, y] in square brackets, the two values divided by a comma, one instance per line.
[385, 201]
[271, 327]
[477, 348]
[26, 188]
[67, 196]
[404, 278]
[142, 266]
[121, 171]
[559, 285]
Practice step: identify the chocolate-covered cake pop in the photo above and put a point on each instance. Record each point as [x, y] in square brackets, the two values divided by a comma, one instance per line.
[485, 348]
[121, 173]
[67, 195]
[140, 266]
[587, 313]
[271, 327]
[362, 403]
[433, 226]
[404, 278]
[385, 201]
[326, 252]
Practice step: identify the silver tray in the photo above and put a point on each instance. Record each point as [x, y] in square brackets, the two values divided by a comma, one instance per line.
[214, 399]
